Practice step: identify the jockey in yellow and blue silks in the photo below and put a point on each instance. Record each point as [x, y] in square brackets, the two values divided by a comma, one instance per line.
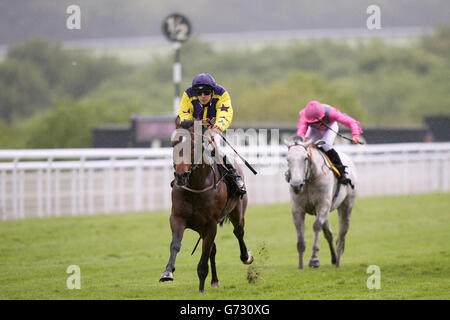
[206, 99]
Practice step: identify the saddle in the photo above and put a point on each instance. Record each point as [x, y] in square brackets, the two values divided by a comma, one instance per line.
[332, 166]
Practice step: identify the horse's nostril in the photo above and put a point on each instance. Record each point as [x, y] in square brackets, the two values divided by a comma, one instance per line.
[296, 187]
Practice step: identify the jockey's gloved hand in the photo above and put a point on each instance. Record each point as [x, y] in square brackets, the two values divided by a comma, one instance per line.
[213, 130]
[356, 140]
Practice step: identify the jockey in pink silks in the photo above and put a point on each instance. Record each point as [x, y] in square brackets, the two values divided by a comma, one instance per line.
[320, 122]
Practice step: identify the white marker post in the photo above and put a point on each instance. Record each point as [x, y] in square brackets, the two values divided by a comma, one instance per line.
[177, 76]
[177, 29]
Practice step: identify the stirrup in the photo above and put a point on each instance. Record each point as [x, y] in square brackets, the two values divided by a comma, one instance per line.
[234, 175]
[240, 187]
[342, 179]
[238, 182]
[241, 191]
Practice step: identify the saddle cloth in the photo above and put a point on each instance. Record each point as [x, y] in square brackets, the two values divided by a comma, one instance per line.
[333, 168]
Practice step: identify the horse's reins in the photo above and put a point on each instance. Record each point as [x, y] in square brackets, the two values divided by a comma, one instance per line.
[309, 158]
[308, 169]
[192, 168]
[248, 165]
[340, 135]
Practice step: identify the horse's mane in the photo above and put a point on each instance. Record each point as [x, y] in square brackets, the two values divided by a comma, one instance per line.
[299, 141]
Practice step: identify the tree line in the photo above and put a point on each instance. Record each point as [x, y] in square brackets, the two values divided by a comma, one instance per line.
[51, 97]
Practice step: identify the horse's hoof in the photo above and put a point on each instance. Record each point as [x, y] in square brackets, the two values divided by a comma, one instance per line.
[314, 263]
[250, 258]
[166, 276]
[215, 284]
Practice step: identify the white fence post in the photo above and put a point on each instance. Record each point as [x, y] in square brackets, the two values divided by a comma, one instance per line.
[90, 191]
[39, 195]
[138, 186]
[3, 194]
[14, 189]
[48, 184]
[57, 193]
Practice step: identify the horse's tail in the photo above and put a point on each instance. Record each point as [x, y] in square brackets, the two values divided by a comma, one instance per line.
[196, 245]
[224, 220]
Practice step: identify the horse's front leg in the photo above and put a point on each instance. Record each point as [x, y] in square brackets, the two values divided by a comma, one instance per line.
[237, 219]
[298, 216]
[207, 246]
[322, 216]
[178, 226]
[214, 280]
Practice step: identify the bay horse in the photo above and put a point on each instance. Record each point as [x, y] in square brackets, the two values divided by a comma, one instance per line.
[314, 189]
[201, 200]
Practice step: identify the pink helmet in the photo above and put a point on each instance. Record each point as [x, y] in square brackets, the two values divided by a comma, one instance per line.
[314, 111]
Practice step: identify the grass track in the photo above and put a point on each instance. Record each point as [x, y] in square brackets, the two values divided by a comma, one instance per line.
[122, 256]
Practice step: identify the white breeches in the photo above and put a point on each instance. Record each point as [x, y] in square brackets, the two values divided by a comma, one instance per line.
[327, 136]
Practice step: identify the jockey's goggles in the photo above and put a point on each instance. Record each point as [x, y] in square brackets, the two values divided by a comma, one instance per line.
[203, 89]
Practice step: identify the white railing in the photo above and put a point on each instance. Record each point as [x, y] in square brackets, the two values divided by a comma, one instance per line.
[58, 182]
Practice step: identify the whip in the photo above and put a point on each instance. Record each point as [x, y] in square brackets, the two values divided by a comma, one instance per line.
[340, 135]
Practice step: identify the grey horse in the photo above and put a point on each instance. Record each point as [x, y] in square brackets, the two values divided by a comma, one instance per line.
[314, 190]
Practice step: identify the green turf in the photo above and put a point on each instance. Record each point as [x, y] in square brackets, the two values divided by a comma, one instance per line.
[122, 256]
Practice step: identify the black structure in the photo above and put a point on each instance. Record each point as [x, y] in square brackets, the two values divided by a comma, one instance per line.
[377, 135]
[148, 131]
[439, 127]
[111, 136]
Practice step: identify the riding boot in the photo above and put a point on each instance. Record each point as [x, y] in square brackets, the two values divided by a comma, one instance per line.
[336, 160]
[235, 177]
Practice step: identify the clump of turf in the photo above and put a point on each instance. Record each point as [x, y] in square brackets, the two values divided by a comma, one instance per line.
[255, 270]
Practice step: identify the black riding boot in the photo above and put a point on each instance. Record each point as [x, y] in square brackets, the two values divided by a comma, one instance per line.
[236, 178]
[336, 160]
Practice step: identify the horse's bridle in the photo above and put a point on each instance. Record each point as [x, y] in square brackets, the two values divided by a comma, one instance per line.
[307, 172]
[195, 166]
[191, 169]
